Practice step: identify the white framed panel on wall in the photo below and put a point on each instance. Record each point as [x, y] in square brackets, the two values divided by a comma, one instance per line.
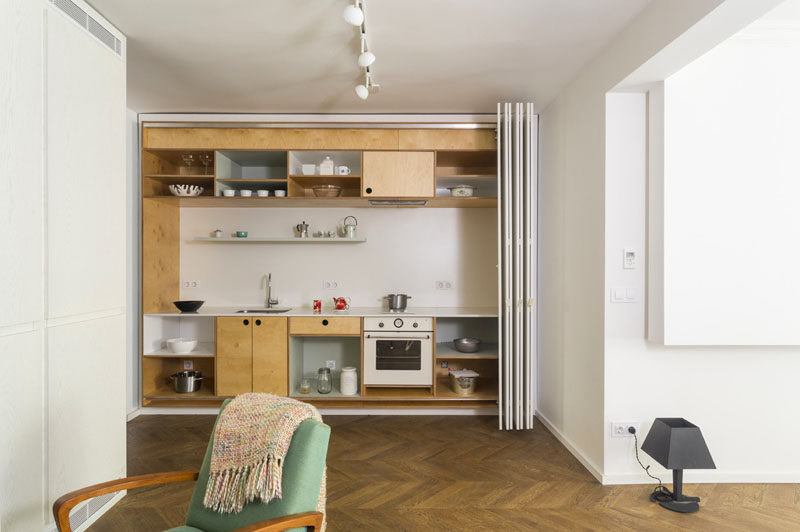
[85, 172]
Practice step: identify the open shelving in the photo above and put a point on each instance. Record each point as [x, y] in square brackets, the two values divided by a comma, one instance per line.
[282, 240]
[486, 351]
[203, 350]
[309, 353]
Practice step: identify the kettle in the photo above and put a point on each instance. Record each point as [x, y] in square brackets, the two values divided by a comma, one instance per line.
[302, 229]
[350, 228]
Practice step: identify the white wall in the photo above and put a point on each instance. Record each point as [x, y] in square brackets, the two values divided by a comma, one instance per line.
[407, 251]
[62, 297]
[571, 229]
[718, 388]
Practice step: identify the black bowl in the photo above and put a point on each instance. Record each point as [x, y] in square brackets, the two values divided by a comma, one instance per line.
[188, 306]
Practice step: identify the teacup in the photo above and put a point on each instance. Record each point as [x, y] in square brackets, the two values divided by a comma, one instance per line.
[228, 193]
[280, 193]
[245, 193]
[262, 193]
[343, 170]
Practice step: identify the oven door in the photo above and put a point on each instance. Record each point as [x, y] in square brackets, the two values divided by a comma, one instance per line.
[398, 359]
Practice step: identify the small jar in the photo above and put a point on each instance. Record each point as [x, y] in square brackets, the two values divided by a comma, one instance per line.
[324, 384]
[349, 381]
[326, 166]
[305, 385]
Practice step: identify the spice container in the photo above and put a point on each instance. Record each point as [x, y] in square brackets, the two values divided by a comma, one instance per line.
[463, 381]
[305, 386]
[349, 381]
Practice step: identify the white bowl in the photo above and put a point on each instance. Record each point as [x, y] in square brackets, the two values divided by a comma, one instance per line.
[181, 346]
[262, 193]
[229, 193]
[309, 169]
[245, 193]
[280, 193]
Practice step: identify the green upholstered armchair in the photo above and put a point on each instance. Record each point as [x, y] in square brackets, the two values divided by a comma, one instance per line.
[296, 510]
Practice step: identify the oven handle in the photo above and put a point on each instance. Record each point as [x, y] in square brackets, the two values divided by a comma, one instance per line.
[399, 338]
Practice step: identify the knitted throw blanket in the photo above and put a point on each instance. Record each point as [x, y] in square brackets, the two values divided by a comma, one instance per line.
[251, 439]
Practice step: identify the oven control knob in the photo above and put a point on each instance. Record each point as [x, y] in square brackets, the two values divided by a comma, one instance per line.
[398, 323]
[380, 324]
[416, 324]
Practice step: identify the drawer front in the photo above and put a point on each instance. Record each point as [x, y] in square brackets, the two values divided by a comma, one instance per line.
[325, 326]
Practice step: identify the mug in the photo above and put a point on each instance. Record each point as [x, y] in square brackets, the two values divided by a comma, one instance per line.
[280, 193]
[341, 303]
[343, 170]
[245, 193]
[317, 306]
[262, 193]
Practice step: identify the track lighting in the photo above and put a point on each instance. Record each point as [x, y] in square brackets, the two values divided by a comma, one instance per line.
[353, 14]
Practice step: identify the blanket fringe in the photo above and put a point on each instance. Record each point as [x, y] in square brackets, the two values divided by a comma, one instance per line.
[229, 490]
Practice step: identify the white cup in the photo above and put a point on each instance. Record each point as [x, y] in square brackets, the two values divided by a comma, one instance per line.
[309, 169]
[280, 193]
[246, 193]
[262, 193]
[228, 192]
[343, 170]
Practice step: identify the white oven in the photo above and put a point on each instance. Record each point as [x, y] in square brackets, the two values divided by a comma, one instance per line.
[398, 351]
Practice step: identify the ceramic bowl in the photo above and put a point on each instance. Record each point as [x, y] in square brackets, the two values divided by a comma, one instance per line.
[280, 193]
[188, 306]
[181, 345]
[245, 193]
[262, 193]
[228, 193]
[187, 191]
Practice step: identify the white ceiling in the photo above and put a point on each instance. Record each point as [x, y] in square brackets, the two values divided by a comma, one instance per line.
[285, 56]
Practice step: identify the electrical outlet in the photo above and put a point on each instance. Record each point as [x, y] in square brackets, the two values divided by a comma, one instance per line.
[330, 364]
[330, 285]
[191, 284]
[619, 429]
[188, 365]
[444, 285]
[443, 364]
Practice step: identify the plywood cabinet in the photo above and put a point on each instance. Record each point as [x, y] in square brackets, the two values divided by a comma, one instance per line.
[252, 355]
[270, 361]
[234, 373]
[397, 174]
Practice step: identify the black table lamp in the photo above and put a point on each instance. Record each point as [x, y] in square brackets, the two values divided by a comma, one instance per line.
[677, 444]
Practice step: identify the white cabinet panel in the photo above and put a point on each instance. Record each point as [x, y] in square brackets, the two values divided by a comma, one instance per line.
[21, 432]
[85, 172]
[86, 403]
[20, 161]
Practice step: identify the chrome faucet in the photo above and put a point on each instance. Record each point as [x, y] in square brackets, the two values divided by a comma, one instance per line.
[266, 282]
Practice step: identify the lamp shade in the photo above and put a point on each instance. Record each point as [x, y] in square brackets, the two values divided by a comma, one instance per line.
[676, 443]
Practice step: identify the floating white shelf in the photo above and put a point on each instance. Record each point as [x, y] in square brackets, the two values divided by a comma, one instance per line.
[282, 239]
[203, 350]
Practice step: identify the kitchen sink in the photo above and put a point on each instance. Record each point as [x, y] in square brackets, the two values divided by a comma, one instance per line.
[275, 310]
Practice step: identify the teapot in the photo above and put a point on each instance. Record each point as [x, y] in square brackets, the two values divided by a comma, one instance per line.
[350, 227]
[302, 229]
[341, 303]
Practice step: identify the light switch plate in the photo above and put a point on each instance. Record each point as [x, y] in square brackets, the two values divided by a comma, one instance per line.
[629, 258]
[188, 365]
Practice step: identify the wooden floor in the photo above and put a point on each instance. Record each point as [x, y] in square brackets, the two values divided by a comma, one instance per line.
[404, 473]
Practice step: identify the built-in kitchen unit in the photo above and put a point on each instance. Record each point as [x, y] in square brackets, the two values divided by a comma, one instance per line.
[392, 176]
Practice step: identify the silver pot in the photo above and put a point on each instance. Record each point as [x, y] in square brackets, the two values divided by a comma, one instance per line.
[187, 381]
[397, 302]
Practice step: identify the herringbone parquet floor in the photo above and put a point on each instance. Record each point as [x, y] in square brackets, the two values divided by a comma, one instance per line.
[404, 473]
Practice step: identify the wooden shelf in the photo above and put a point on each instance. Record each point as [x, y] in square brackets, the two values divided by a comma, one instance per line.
[398, 393]
[446, 350]
[486, 390]
[247, 180]
[314, 395]
[166, 392]
[203, 350]
[304, 202]
[281, 240]
[180, 176]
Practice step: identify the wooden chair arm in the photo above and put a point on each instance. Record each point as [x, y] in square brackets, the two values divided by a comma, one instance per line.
[313, 520]
[66, 503]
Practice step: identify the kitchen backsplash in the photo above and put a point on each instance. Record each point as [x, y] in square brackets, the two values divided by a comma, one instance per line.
[408, 250]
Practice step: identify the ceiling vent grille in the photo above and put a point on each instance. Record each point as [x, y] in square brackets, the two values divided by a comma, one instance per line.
[88, 23]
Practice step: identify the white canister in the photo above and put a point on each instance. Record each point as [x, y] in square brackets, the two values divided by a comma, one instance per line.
[349, 381]
[326, 166]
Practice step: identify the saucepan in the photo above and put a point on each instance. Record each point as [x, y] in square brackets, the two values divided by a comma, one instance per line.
[187, 381]
[397, 302]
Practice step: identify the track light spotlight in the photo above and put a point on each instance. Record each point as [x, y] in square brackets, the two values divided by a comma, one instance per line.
[353, 15]
[362, 91]
[366, 59]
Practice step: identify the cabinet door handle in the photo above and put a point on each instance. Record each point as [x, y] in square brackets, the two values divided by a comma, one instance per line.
[246, 322]
[258, 322]
[325, 322]
[368, 190]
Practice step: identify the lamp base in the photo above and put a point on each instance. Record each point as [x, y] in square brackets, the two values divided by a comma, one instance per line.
[684, 505]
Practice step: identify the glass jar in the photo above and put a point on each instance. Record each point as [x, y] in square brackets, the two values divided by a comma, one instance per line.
[324, 384]
[305, 385]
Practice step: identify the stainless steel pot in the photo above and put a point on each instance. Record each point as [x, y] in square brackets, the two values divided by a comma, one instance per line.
[187, 381]
[397, 302]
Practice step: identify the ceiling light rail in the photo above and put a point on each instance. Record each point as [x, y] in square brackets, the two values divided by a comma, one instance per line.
[354, 14]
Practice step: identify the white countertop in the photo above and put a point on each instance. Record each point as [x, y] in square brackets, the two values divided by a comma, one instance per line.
[433, 312]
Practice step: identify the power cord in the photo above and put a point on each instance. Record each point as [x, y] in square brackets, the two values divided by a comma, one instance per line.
[661, 493]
